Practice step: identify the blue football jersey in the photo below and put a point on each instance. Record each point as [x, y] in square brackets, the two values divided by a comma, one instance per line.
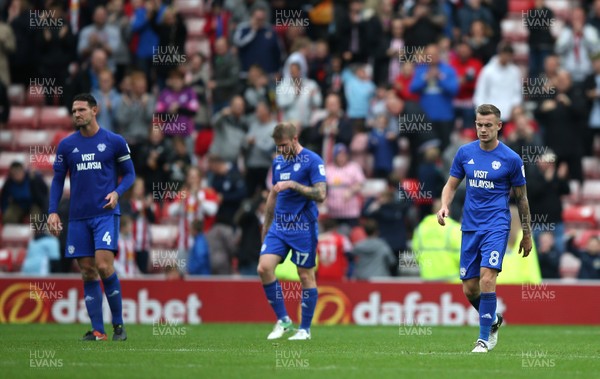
[92, 163]
[489, 178]
[306, 168]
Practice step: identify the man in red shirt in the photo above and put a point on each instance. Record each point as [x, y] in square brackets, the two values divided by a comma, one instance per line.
[467, 69]
[332, 250]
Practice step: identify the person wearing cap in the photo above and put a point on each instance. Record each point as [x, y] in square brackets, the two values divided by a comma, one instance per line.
[344, 181]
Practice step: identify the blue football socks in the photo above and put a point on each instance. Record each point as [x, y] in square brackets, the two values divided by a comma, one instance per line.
[93, 302]
[112, 289]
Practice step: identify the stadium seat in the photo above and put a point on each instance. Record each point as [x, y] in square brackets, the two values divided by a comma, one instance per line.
[373, 187]
[164, 236]
[7, 140]
[6, 158]
[190, 8]
[35, 96]
[56, 118]
[514, 30]
[582, 238]
[16, 235]
[591, 190]
[5, 260]
[195, 27]
[16, 94]
[591, 167]
[23, 118]
[518, 6]
[36, 141]
[580, 217]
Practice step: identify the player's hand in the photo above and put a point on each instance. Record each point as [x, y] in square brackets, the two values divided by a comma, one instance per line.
[54, 224]
[112, 198]
[282, 186]
[442, 214]
[525, 246]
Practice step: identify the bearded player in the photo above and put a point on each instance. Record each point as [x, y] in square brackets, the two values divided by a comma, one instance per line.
[93, 157]
[291, 225]
[491, 169]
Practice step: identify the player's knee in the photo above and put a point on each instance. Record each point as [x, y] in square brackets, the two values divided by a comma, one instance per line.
[105, 269]
[89, 273]
[470, 291]
[306, 277]
[264, 270]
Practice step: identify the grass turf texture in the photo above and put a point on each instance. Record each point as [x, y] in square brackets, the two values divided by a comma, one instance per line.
[242, 351]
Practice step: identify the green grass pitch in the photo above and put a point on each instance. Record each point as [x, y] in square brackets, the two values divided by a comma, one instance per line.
[342, 352]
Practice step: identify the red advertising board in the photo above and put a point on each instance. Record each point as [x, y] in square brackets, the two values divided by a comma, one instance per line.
[40, 300]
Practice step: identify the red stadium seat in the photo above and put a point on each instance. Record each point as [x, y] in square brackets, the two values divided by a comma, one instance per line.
[56, 118]
[164, 236]
[6, 158]
[591, 190]
[35, 96]
[514, 30]
[519, 6]
[16, 94]
[195, 27]
[23, 118]
[7, 140]
[16, 235]
[591, 167]
[189, 8]
[42, 162]
[580, 217]
[38, 140]
[5, 260]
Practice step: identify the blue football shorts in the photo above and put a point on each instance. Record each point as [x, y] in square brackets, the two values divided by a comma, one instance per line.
[302, 242]
[482, 248]
[86, 236]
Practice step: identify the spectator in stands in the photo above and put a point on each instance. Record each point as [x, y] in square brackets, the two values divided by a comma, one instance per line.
[258, 148]
[551, 69]
[547, 182]
[467, 69]
[373, 256]
[333, 129]
[522, 133]
[430, 178]
[590, 257]
[548, 256]
[24, 193]
[172, 34]
[198, 262]
[359, 89]
[173, 273]
[143, 211]
[230, 127]
[499, 9]
[42, 249]
[576, 44]
[352, 38]
[227, 180]
[217, 23]
[394, 51]
[480, 42]
[249, 219]
[8, 43]
[424, 23]
[402, 86]
[221, 241]
[473, 10]
[4, 105]
[242, 10]
[136, 113]
[334, 252]
[592, 91]
[539, 21]
[553, 114]
[86, 77]
[108, 99]
[437, 84]
[99, 35]
[383, 145]
[594, 17]
[437, 251]
[344, 183]
[257, 43]
[23, 46]
[151, 160]
[178, 104]
[57, 51]
[257, 89]
[320, 65]
[226, 70]
[298, 97]
[144, 17]
[179, 161]
[333, 79]
[390, 210]
[125, 260]
[500, 82]
[195, 79]
[117, 17]
[299, 55]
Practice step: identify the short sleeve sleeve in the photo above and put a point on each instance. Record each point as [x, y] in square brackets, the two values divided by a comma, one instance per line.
[517, 173]
[317, 170]
[122, 152]
[457, 170]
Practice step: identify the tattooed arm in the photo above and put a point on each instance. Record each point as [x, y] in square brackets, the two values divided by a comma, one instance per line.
[317, 192]
[520, 194]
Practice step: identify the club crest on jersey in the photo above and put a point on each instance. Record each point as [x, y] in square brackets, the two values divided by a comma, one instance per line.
[297, 167]
[496, 165]
[101, 147]
[322, 169]
[71, 249]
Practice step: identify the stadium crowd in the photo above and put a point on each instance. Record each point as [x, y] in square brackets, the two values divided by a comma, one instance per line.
[383, 90]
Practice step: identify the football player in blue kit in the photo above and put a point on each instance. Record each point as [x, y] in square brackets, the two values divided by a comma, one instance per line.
[291, 226]
[93, 157]
[491, 169]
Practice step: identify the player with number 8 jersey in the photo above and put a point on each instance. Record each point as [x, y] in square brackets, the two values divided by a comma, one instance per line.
[93, 158]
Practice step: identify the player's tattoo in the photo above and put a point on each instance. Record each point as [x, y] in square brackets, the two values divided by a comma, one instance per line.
[318, 192]
[520, 194]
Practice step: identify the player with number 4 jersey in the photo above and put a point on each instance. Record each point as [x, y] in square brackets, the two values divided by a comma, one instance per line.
[93, 157]
[291, 226]
[491, 170]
